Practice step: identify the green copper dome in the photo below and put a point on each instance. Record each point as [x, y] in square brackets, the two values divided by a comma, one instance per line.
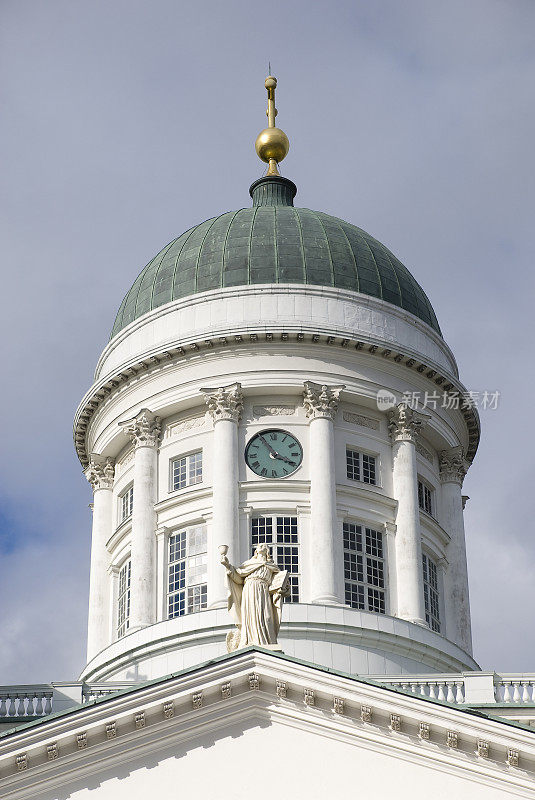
[273, 242]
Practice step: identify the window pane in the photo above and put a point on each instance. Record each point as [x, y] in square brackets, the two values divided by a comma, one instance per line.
[286, 554]
[261, 531]
[123, 601]
[364, 575]
[431, 595]
[177, 546]
[177, 605]
[353, 464]
[187, 571]
[368, 469]
[287, 530]
[196, 598]
[354, 595]
[352, 537]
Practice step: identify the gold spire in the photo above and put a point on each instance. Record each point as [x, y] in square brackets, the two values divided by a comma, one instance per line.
[272, 144]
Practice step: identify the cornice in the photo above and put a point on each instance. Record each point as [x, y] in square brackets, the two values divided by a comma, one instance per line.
[110, 384]
[364, 630]
[66, 749]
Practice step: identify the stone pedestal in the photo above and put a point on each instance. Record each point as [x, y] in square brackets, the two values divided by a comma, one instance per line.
[225, 406]
[99, 473]
[321, 404]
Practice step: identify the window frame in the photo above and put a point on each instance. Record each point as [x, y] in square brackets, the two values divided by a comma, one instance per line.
[185, 456]
[187, 590]
[362, 453]
[433, 621]
[274, 517]
[127, 492]
[123, 624]
[426, 486]
[369, 562]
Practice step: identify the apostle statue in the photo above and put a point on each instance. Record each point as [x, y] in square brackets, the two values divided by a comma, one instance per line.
[255, 593]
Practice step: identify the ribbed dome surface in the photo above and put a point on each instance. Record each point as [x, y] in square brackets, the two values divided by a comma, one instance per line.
[274, 244]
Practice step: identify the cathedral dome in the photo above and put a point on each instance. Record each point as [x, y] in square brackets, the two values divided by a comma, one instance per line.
[273, 243]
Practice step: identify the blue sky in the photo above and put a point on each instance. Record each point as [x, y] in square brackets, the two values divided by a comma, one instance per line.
[127, 122]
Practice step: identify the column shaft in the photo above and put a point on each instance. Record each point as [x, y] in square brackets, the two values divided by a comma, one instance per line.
[225, 405]
[456, 595]
[100, 474]
[321, 404]
[322, 511]
[225, 525]
[144, 432]
[408, 539]
[142, 597]
[97, 623]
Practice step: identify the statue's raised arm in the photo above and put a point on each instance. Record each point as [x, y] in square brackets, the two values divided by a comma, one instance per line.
[255, 592]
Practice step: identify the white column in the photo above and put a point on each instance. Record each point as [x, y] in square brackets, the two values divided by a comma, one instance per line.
[321, 404]
[144, 431]
[456, 598]
[100, 474]
[404, 427]
[225, 405]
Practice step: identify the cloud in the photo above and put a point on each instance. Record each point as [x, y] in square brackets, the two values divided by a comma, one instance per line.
[126, 124]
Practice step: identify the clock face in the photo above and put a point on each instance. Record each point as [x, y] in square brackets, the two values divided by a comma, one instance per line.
[273, 453]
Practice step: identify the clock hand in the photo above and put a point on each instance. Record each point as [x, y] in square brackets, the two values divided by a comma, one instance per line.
[269, 447]
[283, 458]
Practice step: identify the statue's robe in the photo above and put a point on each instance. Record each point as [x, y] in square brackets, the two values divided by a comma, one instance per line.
[255, 596]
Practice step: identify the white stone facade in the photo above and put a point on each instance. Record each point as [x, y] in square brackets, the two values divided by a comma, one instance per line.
[271, 351]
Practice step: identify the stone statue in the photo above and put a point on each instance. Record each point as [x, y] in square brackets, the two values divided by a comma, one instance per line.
[255, 597]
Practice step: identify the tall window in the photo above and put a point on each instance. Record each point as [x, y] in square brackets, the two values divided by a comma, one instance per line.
[123, 600]
[186, 471]
[187, 571]
[431, 597]
[425, 497]
[364, 568]
[126, 504]
[282, 533]
[360, 466]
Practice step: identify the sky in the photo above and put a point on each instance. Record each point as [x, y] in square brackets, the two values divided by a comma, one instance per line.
[125, 123]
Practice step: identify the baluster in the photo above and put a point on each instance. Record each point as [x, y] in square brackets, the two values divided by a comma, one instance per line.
[507, 691]
[29, 708]
[48, 703]
[423, 688]
[3, 709]
[441, 695]
[414, 687]
[21, 710]
[12, 711]
[459, 685]
[432, 690]
[39, 704]
[516, 692]
[450, 696]
[405, 686]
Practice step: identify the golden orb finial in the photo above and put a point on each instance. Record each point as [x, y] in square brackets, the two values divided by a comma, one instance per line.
[272, 144]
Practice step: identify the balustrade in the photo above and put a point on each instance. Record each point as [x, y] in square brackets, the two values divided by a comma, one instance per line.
[25, 701]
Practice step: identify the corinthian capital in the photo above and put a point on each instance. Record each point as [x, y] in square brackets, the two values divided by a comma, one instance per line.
[144, 429]
[225, 402]
[320, 400]
[100, 472]
[452, 465]
[405, 423]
